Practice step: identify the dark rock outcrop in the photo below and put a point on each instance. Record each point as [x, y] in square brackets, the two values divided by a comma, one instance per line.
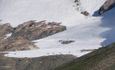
[66, 41]
[40, 63]
[108, 5]
[85, 13]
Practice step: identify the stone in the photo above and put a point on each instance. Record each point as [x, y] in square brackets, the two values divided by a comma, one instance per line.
[66, 41]
[85, 13]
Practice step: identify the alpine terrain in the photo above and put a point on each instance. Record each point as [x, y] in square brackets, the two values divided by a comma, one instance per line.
[57, 35]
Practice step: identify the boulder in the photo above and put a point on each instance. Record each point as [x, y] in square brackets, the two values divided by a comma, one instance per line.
[85, 13]
[66, 41]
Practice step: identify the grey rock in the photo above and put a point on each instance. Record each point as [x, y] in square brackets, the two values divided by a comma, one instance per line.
[66, 41]
[85, 13]
[108, 5]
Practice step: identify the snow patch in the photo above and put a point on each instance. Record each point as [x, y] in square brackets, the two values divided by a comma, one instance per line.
[85, 31]
[8, 35]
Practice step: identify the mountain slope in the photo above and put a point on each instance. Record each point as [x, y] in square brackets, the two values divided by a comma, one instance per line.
[101, 59]
[40, 63]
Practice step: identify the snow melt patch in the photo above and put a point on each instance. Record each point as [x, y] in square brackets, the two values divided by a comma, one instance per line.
[8, 35]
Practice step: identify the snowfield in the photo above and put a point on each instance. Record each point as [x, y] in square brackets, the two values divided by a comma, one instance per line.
[85, 31]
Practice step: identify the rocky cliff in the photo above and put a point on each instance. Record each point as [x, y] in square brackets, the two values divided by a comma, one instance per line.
[20, 37]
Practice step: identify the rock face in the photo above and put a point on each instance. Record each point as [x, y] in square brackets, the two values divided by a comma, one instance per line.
[5, 29]
[32, 30]
[17, 43]
[41, 63]
[21, 36]
[109, 4]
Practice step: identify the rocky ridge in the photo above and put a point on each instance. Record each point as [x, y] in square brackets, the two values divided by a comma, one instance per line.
[20, 37]
[108, 5]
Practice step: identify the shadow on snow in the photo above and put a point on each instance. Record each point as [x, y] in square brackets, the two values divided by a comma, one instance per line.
[108, 21]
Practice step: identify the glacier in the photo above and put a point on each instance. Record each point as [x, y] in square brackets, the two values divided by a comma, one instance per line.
[86, 31]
